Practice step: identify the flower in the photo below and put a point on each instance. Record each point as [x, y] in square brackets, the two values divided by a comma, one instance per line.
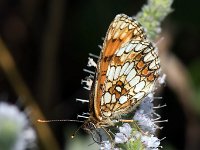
[126, 129]
[106, 145]
[124, 134]
[162, 79]
[120, 138]
[16, 134]
[91, 62]
[147, 105]
[146, 123]
[141, 134]
[151, 142]
[144, 115]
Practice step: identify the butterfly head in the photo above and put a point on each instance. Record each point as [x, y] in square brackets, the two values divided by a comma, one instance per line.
[89, 125]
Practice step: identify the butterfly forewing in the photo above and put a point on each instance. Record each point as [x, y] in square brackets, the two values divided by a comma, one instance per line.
[121, 30]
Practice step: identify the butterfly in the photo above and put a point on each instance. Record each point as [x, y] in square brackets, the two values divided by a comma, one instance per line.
[126, 72]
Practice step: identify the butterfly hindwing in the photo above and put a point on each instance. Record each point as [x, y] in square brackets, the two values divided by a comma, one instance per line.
[131, 74]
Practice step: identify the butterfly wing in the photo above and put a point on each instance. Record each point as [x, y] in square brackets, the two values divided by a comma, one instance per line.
[131, 75]
[121, 31]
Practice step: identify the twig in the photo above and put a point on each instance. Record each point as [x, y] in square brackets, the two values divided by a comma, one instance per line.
[9, 67]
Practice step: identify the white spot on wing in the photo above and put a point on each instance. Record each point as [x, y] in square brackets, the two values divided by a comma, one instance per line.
[119, 89]
[116, 35]
[111, 73]
[108, 71]
[135, 32]
[149, 57]
[123, 25]
[129, 47]
[155, 64]
[138, 47]
[121, 51]
[124, 68]
[117, 71]
[138, 96]
[130, 26]
[147, 50]
[129, 68]
[107, 97]
[139, 86]
[143, 46]
[131, 74]
[119, 24]
[152, 65]
[134, 81]
[123, 99]
[113, 99]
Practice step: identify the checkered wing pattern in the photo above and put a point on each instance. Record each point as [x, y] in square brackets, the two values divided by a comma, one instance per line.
[127, 69]
[131, 74]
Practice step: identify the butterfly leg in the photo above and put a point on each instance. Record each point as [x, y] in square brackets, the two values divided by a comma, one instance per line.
[108, 132]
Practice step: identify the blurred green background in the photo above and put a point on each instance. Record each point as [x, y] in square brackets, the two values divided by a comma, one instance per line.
[50, 42]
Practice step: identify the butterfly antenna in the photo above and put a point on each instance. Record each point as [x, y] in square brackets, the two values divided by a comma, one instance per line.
[73, 135]
[63, 120]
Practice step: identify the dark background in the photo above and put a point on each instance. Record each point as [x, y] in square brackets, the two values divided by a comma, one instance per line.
[50, 42]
